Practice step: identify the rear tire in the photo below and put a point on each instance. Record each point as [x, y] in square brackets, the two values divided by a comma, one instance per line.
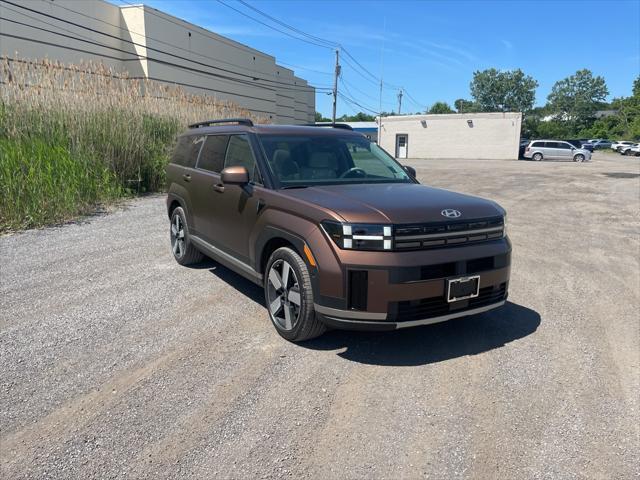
[289, 297]
[578, 158]
[536, 157]
[183, 250]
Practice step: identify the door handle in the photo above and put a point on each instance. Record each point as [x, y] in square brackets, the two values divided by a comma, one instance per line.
[219, 188]
[186, 177]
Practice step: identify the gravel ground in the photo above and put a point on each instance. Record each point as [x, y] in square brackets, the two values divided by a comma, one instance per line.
[117, 362]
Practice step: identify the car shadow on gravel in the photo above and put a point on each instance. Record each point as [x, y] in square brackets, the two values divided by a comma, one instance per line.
[249, 289]
[432, 343]
[411, 346]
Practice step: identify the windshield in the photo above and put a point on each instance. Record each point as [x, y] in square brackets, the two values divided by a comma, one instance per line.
[299, 160]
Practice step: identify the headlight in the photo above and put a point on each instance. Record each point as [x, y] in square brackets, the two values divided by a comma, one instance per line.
[359, 236]
[504, 226]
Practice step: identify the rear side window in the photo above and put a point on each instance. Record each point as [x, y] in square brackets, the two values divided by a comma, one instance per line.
[187, 149]
[239, 154]
[212, 154]
[551, 144]
[537, 144]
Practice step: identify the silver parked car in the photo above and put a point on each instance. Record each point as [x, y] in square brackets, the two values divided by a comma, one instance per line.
[555, 150]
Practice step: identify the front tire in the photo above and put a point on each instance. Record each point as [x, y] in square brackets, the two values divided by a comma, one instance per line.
[183, 250]
[578, 158]
[537, 157]
[289, 297]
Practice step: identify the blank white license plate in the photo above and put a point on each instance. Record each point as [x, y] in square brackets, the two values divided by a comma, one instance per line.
[463, 288]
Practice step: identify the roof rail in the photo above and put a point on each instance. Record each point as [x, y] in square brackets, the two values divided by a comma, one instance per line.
[239, 121]
[343, 126]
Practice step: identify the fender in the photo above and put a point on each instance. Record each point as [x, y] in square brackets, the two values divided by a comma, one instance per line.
[179, 194]
[280, 224]
[269, 233]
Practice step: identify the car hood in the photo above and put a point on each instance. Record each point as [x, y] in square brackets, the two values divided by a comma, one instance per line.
[395, 203]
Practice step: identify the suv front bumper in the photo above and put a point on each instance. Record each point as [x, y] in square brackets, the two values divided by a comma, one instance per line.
[336, 318]
[409, 289]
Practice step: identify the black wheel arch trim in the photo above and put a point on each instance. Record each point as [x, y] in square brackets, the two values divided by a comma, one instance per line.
[270, 233]
[174, 197]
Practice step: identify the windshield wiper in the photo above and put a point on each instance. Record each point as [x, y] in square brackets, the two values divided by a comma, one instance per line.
[293, 186]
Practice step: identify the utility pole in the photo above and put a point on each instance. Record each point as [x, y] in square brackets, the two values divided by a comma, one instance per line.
[400, 101]
[335, 86]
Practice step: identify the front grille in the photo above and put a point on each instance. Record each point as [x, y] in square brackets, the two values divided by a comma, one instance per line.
[443, 270]
[437, 306]
[438, 235]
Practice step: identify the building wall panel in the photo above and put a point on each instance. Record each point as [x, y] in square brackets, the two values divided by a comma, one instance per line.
[488, 136]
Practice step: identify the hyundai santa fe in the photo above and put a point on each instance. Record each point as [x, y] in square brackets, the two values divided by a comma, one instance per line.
[337, 232]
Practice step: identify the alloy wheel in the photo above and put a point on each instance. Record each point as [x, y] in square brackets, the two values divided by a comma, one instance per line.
[177, 236]
[283, 294]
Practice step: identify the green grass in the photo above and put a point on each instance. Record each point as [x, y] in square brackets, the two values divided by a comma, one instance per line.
[54, 168]
[43, 183]
[75, 136]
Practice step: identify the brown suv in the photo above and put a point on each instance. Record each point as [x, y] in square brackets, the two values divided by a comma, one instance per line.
[336, 231]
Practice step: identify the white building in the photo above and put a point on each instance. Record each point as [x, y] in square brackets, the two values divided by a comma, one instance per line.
[146, 42]
[456, 135]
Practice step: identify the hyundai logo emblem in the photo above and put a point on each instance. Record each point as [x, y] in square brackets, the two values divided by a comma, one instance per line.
[450, 213]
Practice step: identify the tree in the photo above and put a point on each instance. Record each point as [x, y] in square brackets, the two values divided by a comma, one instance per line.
[440, 107]
[577, 98]
[503, 91]
[321, 118]
[358, 117]
[465, 106]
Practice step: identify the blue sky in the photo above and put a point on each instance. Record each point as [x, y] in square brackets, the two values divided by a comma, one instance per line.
[432, 48]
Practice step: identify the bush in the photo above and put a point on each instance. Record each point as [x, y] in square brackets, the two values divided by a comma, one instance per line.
[75, 136]
[42, 182]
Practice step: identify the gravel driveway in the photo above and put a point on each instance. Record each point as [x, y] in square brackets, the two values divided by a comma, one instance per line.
[117, 362]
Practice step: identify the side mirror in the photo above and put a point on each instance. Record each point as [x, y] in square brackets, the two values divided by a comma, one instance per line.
[237, 175]
[410, 170]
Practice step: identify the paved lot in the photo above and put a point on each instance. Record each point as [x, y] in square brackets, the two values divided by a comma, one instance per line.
[117, 362]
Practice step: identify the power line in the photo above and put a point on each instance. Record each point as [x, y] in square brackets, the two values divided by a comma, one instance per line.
[272, 27]
[163, 62]
[286, 25]
[173, 82]
[311, 38]
[351, 95]
[354, 104]
[244, 48]
[359, 64]
[362, 92]
[418, 104]
[359, 72]
[351, 100]
[299, 67]
[167, 18]
[232, 82]
[253, 77]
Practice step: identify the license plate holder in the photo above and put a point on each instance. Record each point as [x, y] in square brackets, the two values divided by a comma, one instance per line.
[463, 288]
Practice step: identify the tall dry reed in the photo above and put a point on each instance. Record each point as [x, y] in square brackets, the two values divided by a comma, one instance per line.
[73, 136]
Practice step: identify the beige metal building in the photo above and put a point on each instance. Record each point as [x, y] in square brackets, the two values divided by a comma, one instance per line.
[145, 42]
[473, 135]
